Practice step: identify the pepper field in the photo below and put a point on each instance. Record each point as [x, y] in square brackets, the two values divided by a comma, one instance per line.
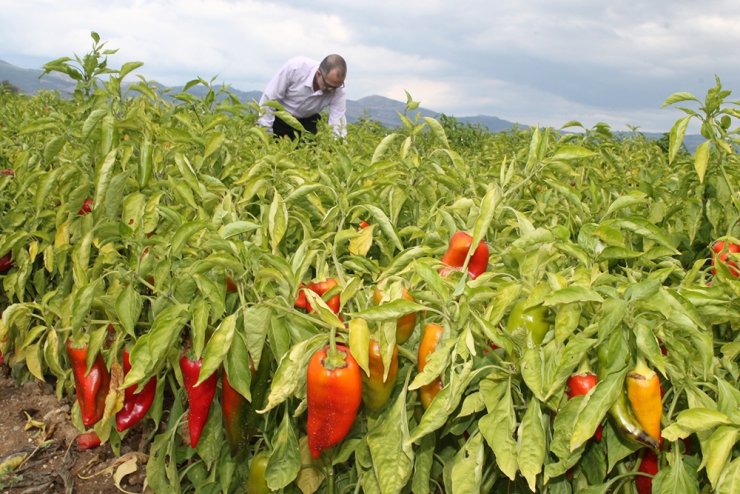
[204, 232]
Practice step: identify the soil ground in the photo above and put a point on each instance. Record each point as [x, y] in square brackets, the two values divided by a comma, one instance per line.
[39, 453]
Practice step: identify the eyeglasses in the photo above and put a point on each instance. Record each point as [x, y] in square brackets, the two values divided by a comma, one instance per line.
[328, 86]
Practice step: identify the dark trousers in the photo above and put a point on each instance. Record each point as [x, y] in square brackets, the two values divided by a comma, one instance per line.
[280, 128]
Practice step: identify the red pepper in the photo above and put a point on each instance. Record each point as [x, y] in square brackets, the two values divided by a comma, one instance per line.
[364, 224]
[649, 464]
[721, 251]
[235, 412]
[334, 393]
[135, 405]
[319, 288]
[457, 252]
[580, 384]
[91, 387]
[230, 285]
[87, 440]
[6, 262]
[86, 207]
[199, 397]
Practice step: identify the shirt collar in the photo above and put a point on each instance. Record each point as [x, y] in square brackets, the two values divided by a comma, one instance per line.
[308, 82]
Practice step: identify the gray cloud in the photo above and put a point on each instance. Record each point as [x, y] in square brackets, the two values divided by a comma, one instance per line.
[536, 62]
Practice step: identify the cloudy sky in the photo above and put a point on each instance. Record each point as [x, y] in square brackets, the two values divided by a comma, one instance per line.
[539, 62]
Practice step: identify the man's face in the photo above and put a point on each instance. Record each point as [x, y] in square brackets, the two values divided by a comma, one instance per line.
[331, 81]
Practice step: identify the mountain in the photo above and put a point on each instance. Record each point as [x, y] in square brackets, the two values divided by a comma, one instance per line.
[379, 108]
[27, 80]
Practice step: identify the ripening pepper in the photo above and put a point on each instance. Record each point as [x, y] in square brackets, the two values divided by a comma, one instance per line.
[457, 251]
[429, 341]
[320, 288]
[199, 397]
[643, 392]
[405, 324]
[135, 405]
[621, 413]
[376, 392]
[334, 394]
[235, 412]
[579, 385]
[91, 387]
[649, 465]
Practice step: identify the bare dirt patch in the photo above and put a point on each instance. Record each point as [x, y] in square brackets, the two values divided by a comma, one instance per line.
[39, 453]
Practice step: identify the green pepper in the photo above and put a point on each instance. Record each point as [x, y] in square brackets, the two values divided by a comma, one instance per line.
[256, 481]
[533, 319]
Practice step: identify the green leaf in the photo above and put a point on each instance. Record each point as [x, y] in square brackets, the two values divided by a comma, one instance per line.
[389, 310]
[257, 322]
[183, 234]
[466, 473]
[717, 450]
[81, 304]
[701, 159]
[632, 199]
[694, 420]
[285, 459]
[438, 130]
[531, 444]
[215, 142]
[381, 219]
[677, 477]
[594, 407]
[570, 152]
[277, 221]
[675, 139]
[499, 424]
[436, 364]
[390, 448]
[568, 360]
[359, 342]
[291, 371]
[238, 368]
[151, 349]
[532, 369]
[730, 478]
[104, 175]
[217, 347]
[128, 308]
[381, 148]
[572, 294]
[444, 404]
[237, 228]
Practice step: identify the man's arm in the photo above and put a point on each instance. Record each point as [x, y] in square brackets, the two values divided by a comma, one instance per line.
[337, 115]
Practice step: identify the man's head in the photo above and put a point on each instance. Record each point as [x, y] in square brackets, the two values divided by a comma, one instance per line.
[332, 71]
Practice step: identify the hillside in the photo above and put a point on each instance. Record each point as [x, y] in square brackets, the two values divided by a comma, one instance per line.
[379, 108]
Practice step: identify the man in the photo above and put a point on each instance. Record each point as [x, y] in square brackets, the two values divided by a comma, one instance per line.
[305, 87]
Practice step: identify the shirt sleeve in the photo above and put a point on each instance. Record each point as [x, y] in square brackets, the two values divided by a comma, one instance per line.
[275, 89]
[337, 115]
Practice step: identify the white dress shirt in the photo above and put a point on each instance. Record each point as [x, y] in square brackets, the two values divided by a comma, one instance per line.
[292, 87]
